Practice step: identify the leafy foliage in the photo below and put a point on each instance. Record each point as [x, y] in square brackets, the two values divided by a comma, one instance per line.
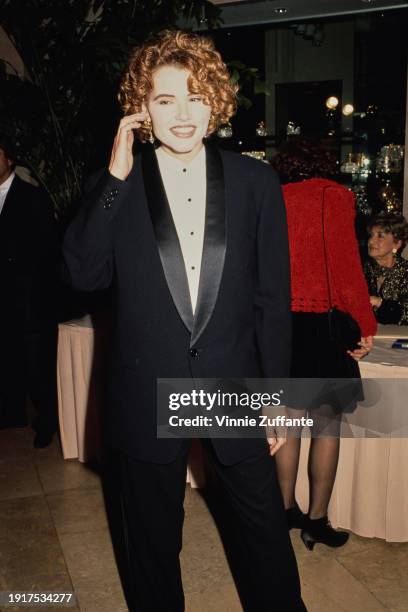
[247, 77]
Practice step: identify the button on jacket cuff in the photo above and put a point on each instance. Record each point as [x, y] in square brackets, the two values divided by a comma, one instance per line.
[111, 190]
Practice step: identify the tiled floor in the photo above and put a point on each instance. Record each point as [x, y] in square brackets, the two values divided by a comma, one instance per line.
[54, 536]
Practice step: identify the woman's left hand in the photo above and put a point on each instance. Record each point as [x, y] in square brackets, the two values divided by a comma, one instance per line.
[365, 344]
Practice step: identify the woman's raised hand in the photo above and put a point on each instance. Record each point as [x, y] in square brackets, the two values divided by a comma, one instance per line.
[121, 160]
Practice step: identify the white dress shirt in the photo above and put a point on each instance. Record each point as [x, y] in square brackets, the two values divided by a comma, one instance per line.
[4, 187]
[186, 185]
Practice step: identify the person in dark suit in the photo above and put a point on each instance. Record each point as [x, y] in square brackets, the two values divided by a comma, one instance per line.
[194, 241]
[28, 272]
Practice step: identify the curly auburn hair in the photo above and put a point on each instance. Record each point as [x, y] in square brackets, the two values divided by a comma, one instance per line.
[209, 75]
[391, 223]
[300, 158]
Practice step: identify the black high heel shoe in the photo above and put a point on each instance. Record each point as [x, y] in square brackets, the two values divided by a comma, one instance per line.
[320, 531]
[295, 517]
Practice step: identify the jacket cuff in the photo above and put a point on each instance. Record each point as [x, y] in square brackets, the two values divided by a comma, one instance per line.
[111, 188]
[106, 192]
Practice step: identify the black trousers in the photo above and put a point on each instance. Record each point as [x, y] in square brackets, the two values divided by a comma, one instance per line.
[153, 514]
[28, 369]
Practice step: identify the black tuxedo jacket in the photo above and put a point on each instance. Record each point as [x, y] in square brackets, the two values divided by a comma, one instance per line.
[124, 234]
[28, 259]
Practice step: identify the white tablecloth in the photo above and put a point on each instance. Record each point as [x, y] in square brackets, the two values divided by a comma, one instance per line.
[78, 394]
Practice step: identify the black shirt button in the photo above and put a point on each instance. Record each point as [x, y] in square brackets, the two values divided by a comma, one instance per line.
[193, 352]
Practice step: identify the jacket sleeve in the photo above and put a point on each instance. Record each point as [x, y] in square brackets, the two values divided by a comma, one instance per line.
[344, 259]
[272, 290]
[88, 242]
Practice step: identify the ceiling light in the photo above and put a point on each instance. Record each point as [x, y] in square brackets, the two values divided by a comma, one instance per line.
[332, 102]
[348, 109]
[281, 10]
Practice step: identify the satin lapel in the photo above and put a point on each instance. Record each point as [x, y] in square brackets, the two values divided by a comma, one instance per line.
[166, 237]
[214, 248]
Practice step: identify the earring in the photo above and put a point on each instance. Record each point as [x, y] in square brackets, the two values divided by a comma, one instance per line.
[225, 130]
[394, 251]
[147, 124]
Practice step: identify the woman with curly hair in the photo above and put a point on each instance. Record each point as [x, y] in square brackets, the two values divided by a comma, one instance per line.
[194, 242]
[386, 270]
[326, 272]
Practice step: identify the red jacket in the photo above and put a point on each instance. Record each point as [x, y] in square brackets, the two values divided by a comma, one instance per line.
[348, 286]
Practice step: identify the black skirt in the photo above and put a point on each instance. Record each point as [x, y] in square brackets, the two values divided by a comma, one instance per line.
[315, 355]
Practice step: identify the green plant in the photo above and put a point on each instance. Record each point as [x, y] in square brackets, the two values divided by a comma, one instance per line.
[247, 77]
